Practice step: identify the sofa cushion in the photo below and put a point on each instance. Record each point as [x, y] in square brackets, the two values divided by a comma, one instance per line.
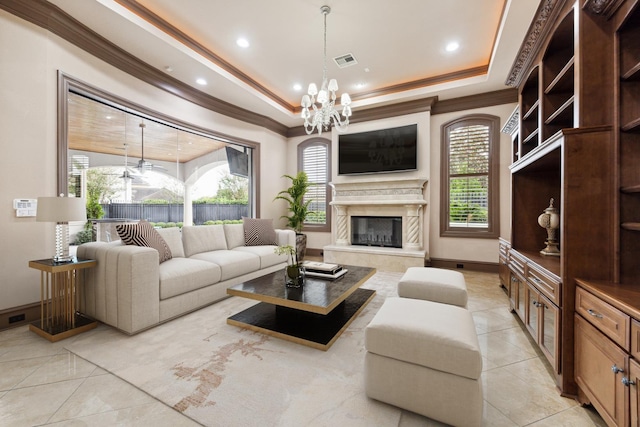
[258, 231]
[267, 255]
[173, 237]
[181, 275]
[202, 238]
[234, 234]
[143, 234]
[426, 333]
[232, 263]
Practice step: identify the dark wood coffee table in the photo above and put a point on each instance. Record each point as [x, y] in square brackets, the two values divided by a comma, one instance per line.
[314, 315]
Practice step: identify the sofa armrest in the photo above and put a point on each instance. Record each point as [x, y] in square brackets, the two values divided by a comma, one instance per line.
[123, 289]
[285, 237]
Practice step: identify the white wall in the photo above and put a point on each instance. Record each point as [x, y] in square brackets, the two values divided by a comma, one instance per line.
[481, 250]
[31, 57]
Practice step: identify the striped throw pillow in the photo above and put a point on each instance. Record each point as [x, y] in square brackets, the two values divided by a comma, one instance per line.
[143, 234]
[258, 232]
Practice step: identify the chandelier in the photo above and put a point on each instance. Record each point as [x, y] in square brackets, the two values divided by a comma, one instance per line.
[319, 107]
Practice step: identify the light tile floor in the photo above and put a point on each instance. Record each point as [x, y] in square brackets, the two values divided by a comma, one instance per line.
[41, 383]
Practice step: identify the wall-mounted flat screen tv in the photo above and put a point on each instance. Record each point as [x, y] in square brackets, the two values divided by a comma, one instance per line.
[379, 151]
[238, 162]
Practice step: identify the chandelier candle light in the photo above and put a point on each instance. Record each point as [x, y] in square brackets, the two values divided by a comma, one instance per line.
[324, 105]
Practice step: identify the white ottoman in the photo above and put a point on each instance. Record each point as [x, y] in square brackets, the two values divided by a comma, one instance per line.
[434, 284]
[424, 356]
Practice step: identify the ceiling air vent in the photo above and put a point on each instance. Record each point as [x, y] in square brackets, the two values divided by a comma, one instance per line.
[345, 60]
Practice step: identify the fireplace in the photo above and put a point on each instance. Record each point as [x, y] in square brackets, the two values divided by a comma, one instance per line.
[382, 231]
[379, 224]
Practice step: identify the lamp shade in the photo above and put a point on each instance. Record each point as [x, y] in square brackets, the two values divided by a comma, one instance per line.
[61, 209]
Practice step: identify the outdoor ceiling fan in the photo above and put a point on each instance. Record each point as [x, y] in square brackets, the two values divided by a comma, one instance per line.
[126, 174]
[144, 165]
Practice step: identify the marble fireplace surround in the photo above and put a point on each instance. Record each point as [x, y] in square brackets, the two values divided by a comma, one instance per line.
[404, 198]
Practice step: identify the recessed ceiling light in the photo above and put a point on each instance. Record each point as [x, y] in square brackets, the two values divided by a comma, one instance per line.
[202, 82]
[108, 117]
[360, 85]
[452, 46]
[168, 69]
[297, 86]
[242, 42]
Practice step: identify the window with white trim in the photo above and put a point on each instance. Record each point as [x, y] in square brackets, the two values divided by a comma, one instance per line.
[313, 158]
[470, 178]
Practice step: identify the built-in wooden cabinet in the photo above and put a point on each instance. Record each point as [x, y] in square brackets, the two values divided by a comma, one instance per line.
[634, 396]
[537, 303]
[600, 366]
[503, 266]
[569, 149]
[628, 36]
[607, 319]
[607, 349]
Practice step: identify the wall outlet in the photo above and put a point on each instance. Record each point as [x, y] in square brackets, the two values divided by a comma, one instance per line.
[16, 318]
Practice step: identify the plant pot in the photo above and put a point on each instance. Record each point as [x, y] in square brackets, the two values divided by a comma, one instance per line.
[301, 245]
[294, 276]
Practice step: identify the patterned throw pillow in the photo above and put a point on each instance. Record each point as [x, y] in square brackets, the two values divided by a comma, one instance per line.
[143, 234]
[258, 232]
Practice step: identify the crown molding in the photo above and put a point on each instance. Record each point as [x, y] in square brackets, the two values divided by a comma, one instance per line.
[489, 99]
[55, 20]
[540, 27]
[58, 22]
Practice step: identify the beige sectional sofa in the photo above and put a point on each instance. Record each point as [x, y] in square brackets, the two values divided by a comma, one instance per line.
[130, 290]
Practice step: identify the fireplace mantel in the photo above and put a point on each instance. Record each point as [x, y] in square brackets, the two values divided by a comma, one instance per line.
[388, 192]
[403, 197]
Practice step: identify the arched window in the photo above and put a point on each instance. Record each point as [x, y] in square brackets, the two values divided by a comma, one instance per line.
[313, 158]
[470, 177]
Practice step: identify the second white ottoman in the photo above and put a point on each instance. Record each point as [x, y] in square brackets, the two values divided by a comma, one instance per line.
[434, 284]
[425, 357]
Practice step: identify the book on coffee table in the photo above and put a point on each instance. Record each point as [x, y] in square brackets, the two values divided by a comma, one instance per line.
[321, 267]
[327, 276]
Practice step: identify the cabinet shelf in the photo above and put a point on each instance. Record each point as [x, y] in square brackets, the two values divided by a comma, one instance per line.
[531, 110]
[631, 226]
[632, 73]
[563, 82]
[562, 114]
[632, 126]
[531, 136]
[631, 189]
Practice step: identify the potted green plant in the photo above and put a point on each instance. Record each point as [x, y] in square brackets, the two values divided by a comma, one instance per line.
[298, 208]
[294, 271]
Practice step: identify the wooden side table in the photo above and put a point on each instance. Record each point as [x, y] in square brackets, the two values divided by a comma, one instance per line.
[59, 317]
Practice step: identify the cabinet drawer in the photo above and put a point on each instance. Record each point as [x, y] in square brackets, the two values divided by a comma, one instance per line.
[546, 283]
[517, 263]
[611, 321]
[635, 339]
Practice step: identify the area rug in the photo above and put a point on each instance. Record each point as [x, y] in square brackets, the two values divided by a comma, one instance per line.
[218, 374]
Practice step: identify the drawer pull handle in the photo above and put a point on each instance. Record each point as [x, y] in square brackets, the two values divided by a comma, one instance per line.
[615, 369]
[594, 314]
[535, 279]
[626, 381]
[537, 304]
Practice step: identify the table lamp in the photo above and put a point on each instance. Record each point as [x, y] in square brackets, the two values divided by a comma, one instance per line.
[61, 210]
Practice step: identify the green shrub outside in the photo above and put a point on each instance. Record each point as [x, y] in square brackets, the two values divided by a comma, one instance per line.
[84, 236]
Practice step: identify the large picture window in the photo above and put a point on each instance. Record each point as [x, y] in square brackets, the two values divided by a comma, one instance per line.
[313, 158]
[469, 189]
[132, 163]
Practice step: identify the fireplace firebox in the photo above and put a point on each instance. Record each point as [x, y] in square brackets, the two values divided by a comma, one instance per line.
[382, 231]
